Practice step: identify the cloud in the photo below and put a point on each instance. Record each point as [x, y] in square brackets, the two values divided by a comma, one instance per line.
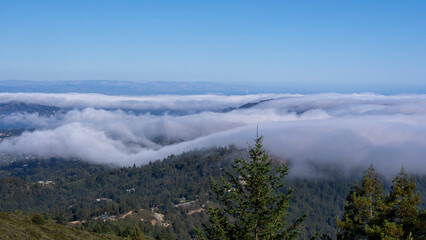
[345, 131]
[186, 103]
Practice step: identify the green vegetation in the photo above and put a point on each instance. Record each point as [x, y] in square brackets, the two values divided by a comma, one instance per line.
[363, 204]
[77, 186]
[159, 187]
[38, 219]
[137, 234]
[370, 215]
[251, 207]
[18, 226]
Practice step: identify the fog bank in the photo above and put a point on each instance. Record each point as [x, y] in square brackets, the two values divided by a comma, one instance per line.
[346, 131]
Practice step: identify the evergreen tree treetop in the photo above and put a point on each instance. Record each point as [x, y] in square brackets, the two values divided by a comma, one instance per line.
[403, 203]
[370, 215]
[252, 207]
[363, 204]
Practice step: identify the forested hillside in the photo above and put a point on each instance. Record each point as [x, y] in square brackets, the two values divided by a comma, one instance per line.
[20, 227]
[166, 199]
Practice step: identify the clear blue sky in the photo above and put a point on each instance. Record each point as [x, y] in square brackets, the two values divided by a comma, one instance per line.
[327, 45]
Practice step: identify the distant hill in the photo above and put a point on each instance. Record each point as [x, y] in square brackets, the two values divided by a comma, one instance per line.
[21, 107]
[125, 87]
[10, 107]
[13, 226]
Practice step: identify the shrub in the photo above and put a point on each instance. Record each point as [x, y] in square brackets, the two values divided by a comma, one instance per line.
[38, 219]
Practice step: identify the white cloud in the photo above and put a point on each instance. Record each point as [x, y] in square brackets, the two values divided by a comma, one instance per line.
[342, 130]
[167, 102]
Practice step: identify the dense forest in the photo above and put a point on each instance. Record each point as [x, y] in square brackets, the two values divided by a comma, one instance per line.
[165, 199]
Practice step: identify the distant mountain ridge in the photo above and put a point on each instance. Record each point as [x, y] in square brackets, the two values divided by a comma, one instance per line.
[117, 87]
[14, 106]
[113, 87]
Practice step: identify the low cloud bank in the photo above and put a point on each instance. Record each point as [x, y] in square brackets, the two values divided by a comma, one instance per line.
[345, 131]
[186, 103]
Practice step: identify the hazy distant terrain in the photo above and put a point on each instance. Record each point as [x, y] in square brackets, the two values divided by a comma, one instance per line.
[127, 88]
[115, 87]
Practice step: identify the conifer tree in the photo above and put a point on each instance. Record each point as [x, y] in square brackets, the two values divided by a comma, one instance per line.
[251, 204]
[370, 216]
[402, 203]
[363, 204]
[399, 217]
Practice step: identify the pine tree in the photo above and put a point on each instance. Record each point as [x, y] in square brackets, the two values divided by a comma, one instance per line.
[402, 203]
[363, 204]
[399, 218]
[251, 206]
[370, 216]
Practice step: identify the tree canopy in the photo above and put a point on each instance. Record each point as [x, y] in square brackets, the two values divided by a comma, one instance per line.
[251, 205]
[370, 215]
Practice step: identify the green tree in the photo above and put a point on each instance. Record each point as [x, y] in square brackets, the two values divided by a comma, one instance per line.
[399, 217]
[363, 204]
[137, 234]
[385, 230]
[403, 202]
[369, 215]
[251, 204]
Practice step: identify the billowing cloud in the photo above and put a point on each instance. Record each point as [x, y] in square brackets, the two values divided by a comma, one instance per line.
[344, 131]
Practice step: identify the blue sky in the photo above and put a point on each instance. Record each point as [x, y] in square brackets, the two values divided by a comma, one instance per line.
[306, 45]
